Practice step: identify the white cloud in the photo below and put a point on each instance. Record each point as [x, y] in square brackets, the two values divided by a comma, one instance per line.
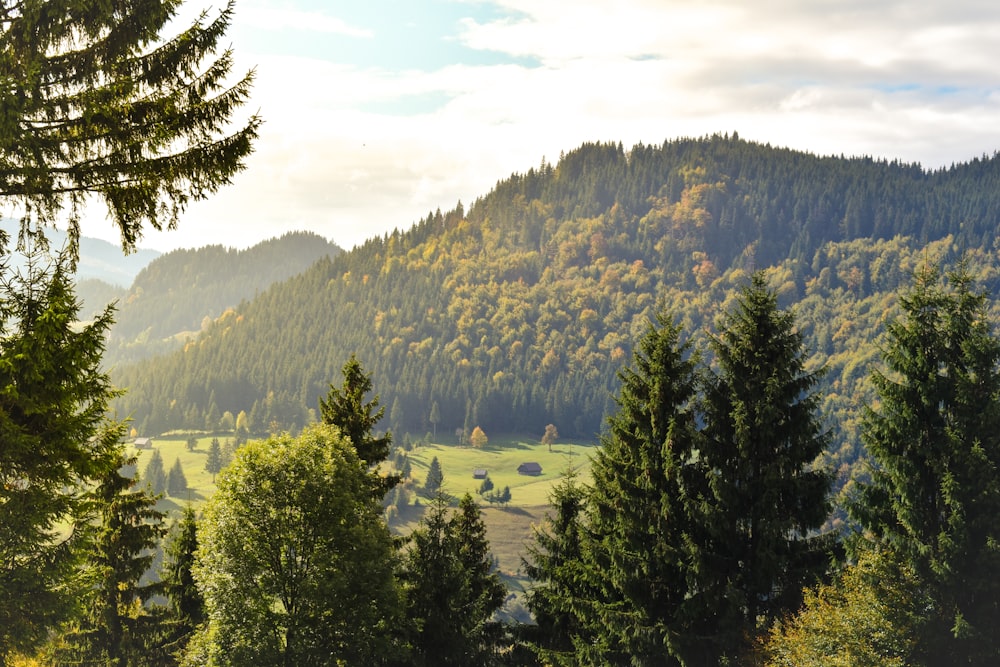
[914, 81]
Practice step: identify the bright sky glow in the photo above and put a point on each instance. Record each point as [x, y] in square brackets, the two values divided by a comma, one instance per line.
[379, 112]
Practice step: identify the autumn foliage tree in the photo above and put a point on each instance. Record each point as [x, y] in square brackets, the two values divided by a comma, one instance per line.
[478, 438]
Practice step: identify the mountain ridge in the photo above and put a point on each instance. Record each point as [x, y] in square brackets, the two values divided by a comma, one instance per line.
[521, 311]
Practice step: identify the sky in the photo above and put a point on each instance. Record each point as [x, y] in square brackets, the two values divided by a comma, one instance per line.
[379, 112]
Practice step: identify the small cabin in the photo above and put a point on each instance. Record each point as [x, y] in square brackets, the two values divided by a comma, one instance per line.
[479, 473]
[143, 443]
[529, 468]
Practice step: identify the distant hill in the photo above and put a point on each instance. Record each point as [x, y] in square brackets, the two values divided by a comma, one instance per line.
[520, 311]
[99, 260]
[179, 293]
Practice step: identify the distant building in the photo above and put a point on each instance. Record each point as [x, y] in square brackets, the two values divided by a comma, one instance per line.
[479, 473]
[143, 443]
[529, 468]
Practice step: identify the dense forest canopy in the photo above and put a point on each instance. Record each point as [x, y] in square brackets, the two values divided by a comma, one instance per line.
[518, 311]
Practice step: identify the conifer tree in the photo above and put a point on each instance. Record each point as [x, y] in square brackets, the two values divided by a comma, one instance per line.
[117, 629]
[934, 438]
[55, 442]
[213, 463]
[186, 602]
[98, 101]
[450, 592]
[641, 510]
[346, 409]
[435, 478]
[176, 481]
[555, 566]
[765, 498]
[154, 474]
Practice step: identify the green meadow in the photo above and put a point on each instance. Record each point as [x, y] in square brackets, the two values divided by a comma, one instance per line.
[501, 460]
[508, 527]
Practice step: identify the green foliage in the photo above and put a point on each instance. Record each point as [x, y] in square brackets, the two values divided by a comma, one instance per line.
[451, 592]
[117, 629]
[765, 498]
[186, 601]
[871, 616]
[155, 475]
[554, 563]
[642, 515]
[486, 486]
[100, 102]
[176, 481]
[521, 309]
[346, 409]
[934, 439]
[434, 479]
[175, 292]
[214, 461]
[53, 401]
[294, 562]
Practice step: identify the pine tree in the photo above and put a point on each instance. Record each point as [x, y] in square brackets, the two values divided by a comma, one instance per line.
[435, 416]
[486, 591]
[766, 497]
[641, 516]
[155, 474]
[346, 409]
[554, 565]
[934, 438]
[487, 485]
[177, 485]
[55, 443]
[213, 463]
[186, 601]
[100, 102]
[117, 629]
[432, 484]
[450, 592]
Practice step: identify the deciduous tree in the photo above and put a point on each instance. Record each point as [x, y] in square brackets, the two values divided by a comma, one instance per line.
[478, 438]
[550, 436]
[295, 563]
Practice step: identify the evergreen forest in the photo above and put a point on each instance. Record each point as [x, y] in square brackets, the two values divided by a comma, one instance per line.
[518, 312]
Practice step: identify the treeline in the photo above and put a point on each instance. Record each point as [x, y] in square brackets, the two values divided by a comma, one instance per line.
[518, 312]
[178, 293]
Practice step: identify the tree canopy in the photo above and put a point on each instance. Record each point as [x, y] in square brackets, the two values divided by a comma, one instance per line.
[97, 100]
[295, 563]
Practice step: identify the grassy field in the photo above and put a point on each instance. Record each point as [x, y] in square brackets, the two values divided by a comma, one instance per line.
[501, 461]
[508, 528]
[200, 483]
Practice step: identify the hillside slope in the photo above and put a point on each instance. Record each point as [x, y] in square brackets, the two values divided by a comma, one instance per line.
[177, 294]
[520, 311]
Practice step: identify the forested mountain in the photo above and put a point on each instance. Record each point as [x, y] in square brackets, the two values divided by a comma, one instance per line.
[99, 260]
[519, 311]
[182, 291]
